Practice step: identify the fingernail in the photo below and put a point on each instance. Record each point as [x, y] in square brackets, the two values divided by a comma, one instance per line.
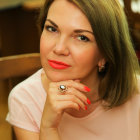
[88, 101]
[85, 107]
[87, 89]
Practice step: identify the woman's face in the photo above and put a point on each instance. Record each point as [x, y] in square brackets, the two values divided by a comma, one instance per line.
[68, 37]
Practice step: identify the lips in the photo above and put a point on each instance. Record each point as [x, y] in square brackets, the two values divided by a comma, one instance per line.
[57, 64]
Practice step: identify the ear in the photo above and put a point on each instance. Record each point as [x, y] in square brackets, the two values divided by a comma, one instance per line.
[101, 62]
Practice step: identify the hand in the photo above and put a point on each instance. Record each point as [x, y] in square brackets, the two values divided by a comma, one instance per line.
[57, 102]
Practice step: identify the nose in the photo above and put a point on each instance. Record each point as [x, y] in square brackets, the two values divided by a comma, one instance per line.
[61, 46]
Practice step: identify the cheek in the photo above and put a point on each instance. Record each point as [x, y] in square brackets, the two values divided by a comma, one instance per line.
[42, 45]
[45, 45]
[88, 57]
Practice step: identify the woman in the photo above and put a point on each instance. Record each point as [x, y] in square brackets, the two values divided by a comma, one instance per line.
[88, 87]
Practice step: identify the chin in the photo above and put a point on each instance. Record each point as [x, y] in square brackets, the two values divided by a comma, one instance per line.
[57, 77]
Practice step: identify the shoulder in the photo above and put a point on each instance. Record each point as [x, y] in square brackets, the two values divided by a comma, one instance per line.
[133, 103]
[135, 100]
[26, 102]
[28, 91]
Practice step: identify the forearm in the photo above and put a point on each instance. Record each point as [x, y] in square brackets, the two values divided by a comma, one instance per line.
[49, 134]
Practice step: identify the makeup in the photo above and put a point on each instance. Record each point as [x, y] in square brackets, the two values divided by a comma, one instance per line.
[58, 65]
[88, 101]
[87, 89]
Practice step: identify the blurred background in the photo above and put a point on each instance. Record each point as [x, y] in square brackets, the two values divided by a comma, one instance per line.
[19, 35]
[18, 31]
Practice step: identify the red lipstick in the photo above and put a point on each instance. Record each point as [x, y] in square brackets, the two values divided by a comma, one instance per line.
[57, 64]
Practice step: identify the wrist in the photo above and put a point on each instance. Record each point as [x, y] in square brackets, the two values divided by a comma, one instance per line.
[49, 134]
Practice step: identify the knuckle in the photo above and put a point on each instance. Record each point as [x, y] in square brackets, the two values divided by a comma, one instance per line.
[69, 91]
[72, 97]
[81, 104]
[77, 106]
[83, 98]
[72, 90]
[71, 104]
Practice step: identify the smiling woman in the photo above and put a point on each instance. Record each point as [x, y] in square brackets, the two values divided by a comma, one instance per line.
[90, 76]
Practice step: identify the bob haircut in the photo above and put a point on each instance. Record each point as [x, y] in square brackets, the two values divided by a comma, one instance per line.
[110, 28]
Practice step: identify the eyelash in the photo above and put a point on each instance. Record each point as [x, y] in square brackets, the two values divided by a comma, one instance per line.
[51, 27]
[86, 39]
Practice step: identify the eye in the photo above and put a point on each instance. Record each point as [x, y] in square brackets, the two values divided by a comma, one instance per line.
[51, 28]
[83, 38]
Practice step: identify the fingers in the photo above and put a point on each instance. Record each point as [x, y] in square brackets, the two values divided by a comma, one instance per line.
[57, 102]
[75, 84]
[74, 95]
[78, 94]
[68, 104]
[72, 99]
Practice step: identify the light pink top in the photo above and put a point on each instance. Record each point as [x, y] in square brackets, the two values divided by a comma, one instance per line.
[26, 102]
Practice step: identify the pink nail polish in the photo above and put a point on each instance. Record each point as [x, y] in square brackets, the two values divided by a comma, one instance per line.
[85, 107]
[87, 89]
[88, 101]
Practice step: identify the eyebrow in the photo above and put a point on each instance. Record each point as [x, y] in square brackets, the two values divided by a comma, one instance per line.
[52, 23]
[76, 31]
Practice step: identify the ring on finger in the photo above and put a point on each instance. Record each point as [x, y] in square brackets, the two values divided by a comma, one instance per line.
[62, 88]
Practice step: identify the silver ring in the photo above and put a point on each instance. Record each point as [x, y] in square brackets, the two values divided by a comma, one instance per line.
[62, 88]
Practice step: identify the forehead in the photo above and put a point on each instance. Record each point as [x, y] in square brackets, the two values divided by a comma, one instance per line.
[63, 7]
[63, 11]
